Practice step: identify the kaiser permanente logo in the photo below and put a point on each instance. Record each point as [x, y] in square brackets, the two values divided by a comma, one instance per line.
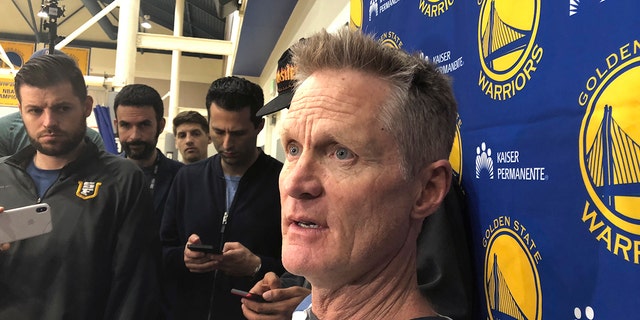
[506, 166]
[445, 62]
[609, 149]
[434, 8]
[379, 6]
[511, 280]
[508, 53]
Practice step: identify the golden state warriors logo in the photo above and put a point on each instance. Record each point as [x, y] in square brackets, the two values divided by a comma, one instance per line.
[609, 148]
[391, 39]
[87, 189]
[508, 53]
[511, 279]
[434, 8]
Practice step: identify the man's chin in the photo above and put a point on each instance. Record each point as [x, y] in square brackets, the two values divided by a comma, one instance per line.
[136, 156]
[54, 150]
[192, 158]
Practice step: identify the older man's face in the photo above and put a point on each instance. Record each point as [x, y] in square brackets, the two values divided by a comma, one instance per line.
[345, 206]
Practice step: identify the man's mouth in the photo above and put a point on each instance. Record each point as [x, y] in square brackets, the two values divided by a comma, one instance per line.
[307, 225]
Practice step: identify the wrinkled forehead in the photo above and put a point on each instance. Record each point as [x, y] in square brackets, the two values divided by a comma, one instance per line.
[336, 101]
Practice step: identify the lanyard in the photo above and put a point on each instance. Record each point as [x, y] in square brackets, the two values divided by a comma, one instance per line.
[152, 184]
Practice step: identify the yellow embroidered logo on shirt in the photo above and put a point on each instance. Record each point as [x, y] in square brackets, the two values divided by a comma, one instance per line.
[87, 189]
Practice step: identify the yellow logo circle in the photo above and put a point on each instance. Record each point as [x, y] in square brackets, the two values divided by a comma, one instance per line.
[511, 280]
[610, 143]
[506, 34]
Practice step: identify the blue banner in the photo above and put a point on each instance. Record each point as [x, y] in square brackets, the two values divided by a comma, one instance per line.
[548, 147]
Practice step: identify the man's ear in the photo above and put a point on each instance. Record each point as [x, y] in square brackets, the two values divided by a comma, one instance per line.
[161, 124]
[435, 180]
[260, 125]
[88, 106]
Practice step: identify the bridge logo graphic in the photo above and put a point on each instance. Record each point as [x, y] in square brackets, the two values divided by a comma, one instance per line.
[609, 149]
[511, 279]
[508, 53]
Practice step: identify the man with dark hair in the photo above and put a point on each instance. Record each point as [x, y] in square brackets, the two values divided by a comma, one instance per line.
[191, 132]
[229, 201]
[139, 121]
[98, 260]
[13, 136]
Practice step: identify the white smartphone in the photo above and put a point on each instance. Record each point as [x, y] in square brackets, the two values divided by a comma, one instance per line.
[25, 222]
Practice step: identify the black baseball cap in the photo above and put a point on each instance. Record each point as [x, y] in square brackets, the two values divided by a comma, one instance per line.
[285, 82]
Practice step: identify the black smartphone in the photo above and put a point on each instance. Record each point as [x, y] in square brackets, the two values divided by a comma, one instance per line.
[206, 248]
[248, 295]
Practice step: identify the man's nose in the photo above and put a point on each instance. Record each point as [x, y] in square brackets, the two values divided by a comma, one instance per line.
[136, 133]
[189, 140]
[49, 119]
[299, 179]
[227, 141]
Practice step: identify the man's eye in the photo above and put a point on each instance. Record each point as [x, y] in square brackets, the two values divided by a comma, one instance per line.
[294, 150]
[343, 154]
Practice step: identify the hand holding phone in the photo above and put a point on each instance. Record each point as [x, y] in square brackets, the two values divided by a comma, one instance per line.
[248, 295]
[25, 222]
[206, 248]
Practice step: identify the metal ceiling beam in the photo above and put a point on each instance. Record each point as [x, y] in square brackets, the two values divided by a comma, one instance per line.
[32, 26]
[186, 44]
[110, 30]
[98, 16]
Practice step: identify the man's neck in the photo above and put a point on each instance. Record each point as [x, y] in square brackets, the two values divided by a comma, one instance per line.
[390, 293]
[45, 162]
[148, 162]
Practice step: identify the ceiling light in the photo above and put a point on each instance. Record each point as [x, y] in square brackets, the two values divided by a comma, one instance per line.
[145, 22]
[43, 13]
[50, 9]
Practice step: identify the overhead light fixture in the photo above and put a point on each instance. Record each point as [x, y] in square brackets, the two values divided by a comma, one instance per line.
[51, 10]
[145, 22]
[43, 13]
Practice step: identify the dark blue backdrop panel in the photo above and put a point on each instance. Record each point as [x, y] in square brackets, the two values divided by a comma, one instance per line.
[549, 102]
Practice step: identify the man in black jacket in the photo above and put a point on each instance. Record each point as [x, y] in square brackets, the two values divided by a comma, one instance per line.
[98, 261]
[140, 120]
[229, 201]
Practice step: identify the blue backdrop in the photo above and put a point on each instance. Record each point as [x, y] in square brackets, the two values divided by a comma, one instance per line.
[548, 148]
